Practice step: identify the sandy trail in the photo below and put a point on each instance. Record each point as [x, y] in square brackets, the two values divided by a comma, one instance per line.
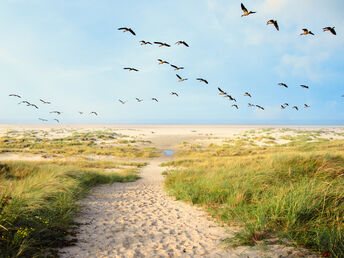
[139, 220]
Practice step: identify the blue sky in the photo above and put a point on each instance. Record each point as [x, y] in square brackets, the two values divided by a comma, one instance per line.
[71, 53]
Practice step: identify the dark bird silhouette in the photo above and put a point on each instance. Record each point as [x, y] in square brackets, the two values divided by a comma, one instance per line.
[24, 101]
[57, 120]
[236, 106]
[163, 62]
[33, 105]
[283, 84]
[139, 100]
[286, 104]
[174, 93]
[247, 94]
[307, 106]
[45, 102]
[161, 44]
[182, 43]
[154, 99]
[56, 112]
[176, 68]
[15, 95]
[246, 13]
[43, 120]
[304, 86]
[306, 32]
[180, 78]
[130, 69]
[230, 98]
[94, 113]
[145, 42]
[296, 108]
[260, 107]
[283, 107]
[330, 29]
[274, 23]
[202, 80]
[123, 102]
[125, 29]
[222, 92]
[250, 105]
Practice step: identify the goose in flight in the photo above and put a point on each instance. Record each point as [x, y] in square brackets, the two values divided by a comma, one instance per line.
[123, 102]
[182, 43]
[163, 62]
[247, 94]
[43, 120]
[202, 80]
[286, 104]
[260, 107]
[161, 44]
[125, 29]
[230, 98]
[246, 13]
[174, 93]
[57, 120]
[139, 100]
[130, 69]
[304, 86]
[180, 78]
[24, 101]
[222, 92]
[283, 84]
[94, 113]
[236, 106]
[330, 29]
[143, 43]
[154, 99]
[56, 112]
[296, 108]
[283, 107]
[176, 68]
[33, 105]
[15, 95]
[45, 102]
[250, 105]
[273, 22]
[306, 32]
[307, 106]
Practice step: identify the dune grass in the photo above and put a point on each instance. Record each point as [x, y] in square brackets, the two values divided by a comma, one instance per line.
[38, 202]
[294, 191]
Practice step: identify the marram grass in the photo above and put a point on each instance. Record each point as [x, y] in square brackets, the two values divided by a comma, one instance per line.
[294, 191]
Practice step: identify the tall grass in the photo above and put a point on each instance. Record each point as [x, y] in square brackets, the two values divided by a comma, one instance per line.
[38, 203]
[295, 191]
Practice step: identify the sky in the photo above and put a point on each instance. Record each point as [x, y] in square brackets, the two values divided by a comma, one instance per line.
[71, 53]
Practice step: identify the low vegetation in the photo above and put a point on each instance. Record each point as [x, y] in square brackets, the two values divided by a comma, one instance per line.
[293, 190]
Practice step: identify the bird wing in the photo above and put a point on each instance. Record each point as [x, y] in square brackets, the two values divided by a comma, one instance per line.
[158, 43]
[276, 25]
[243, 8]
[220, 90]
[174, 66]
[333, 31]
[185, 44]
[178, 76]
[123, 28]
[132, 32]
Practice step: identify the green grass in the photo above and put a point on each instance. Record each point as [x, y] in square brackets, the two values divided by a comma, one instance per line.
[38, 202]
[294, 191]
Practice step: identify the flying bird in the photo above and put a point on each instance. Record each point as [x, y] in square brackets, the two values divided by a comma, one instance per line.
[230, 97]
[15, 95]
[174, 93]
[330, 29]
[163, 62]
[246, 13]
[24, 101]
[307, 106]
[124, 29]
[274, 23]
[260, 107]
[283, 84]
[154, 99]
[56, 112]
[176, 68]
[306, 32]
[33, 105]
[182, 43]
[145, 42]
[162, 44]
[57, 120]
[202, 80]
[180, 78]
[283, 107]
[250, 105]
[45, 102]
[43, 120]
[94, 113]
[222, 92]
[236, 106]
[286, 104]
[247, 94]
[139, 100]
[123, 102]
[130, 69]
[304, 86]
[296, 108]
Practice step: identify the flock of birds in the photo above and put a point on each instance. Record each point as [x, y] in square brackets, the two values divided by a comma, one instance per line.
[180, 78]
